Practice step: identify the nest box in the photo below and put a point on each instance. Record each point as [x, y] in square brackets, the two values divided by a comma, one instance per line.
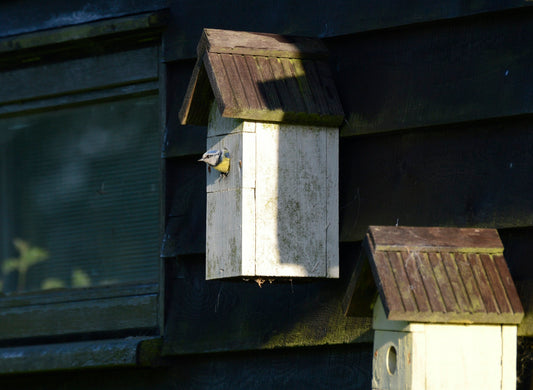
[445, 308]
[270, 100]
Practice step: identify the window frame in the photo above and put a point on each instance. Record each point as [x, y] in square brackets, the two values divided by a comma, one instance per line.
[94, 313]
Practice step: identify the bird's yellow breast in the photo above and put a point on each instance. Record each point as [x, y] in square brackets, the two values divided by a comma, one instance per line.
[223, 166]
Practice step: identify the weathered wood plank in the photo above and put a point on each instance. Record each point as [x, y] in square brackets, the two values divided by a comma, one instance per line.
[402, 282]
[473, 175]
[78, 75]
[260, 44]
[284, 86]
[77, 99]
[496, 283]
[288, 190]
[26, 16]
[77, 294]
[233, 76]
[411, 262]
[255, 73]
[236, 91]
[64, 356]
[456, 284]
[434, 74]
[314, 18]
[508, 284]
[386, 283]
[485, 289]
[131, 313]
[248, 82]
[185, 202]
[331, 367]
[436, 297]
[295, 73]
[220, 83]
[467, 277]
[435, 239]
[130, 24]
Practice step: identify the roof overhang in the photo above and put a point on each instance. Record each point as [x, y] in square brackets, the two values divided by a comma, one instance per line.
[262, 77]
[444, 275]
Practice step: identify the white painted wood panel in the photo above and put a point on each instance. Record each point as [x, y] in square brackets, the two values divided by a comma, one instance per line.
[332, 205]
[443, 356]
[463, 357]
[291, 204]
[228, 253]
[509, 351]
[283, 180]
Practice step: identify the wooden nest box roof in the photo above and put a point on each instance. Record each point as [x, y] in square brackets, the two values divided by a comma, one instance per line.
[445, 275]
[262, 77]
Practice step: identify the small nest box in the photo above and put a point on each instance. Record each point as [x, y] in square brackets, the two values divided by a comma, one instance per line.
[445, 308]
[270, 101]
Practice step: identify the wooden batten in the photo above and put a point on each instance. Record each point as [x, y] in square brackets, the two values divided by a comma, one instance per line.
[262, 77]
[439, 275]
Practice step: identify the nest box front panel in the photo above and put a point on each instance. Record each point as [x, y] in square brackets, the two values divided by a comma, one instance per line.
[275, 214]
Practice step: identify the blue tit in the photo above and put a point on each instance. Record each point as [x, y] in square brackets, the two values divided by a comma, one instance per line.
[218, 159]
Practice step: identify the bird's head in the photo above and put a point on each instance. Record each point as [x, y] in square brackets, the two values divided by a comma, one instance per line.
[211, 157]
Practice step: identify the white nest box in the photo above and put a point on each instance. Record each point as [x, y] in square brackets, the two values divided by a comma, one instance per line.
[447, 311]
[271, 102]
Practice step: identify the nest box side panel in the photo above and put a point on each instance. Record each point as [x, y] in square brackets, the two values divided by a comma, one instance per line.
[230, 219]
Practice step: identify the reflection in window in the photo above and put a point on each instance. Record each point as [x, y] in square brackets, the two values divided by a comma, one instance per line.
[79, 196]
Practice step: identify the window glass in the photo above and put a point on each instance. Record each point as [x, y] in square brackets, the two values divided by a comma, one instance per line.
[79, 202]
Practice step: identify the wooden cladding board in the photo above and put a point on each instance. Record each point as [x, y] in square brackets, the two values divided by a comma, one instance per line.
[435, 73]
[78, 75]
[87, 311]
[316, 18]
[469, 175]
[224, 315]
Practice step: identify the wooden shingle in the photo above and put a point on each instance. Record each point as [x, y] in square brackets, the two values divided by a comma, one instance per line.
[262, 77]
[445, 275]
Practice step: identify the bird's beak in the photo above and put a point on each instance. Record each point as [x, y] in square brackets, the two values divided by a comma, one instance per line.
[201, 159]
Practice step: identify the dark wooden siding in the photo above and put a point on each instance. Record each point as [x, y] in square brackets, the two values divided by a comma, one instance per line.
[442, 94]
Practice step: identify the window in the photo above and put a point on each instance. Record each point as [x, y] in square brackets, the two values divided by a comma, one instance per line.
[80, 188]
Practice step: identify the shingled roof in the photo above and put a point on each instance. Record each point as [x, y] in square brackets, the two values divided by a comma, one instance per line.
[262, 77]
[447, 275]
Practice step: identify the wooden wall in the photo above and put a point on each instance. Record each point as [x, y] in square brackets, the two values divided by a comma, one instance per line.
[438, 132]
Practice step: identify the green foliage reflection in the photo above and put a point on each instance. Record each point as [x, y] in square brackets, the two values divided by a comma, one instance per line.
[28, 257]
